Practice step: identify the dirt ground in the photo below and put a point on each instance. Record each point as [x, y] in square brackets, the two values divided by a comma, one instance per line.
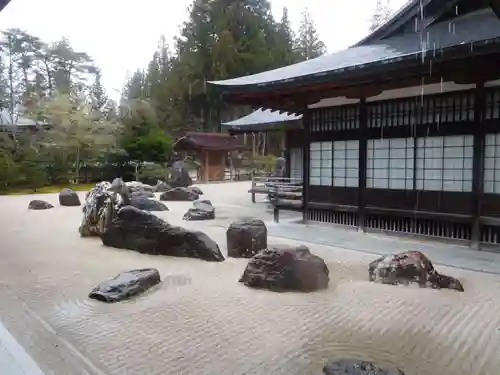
[202, 321]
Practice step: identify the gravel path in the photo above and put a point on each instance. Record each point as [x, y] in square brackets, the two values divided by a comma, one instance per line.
[202, 321]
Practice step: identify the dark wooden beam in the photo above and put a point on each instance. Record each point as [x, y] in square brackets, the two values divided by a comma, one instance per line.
[478, 162]
[363, 125]
[307, 120]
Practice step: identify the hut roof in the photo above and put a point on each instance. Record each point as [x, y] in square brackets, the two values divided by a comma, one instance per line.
[207, 141]
[261, 120]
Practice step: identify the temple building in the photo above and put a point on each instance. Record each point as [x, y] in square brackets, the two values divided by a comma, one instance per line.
[400, 132]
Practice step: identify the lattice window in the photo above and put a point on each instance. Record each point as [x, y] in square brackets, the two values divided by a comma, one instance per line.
[321, 163]
[390, 163]
[445, 163]
[451, 107]
[392, 113]
[346, 163]
[492, 104]
[335, 118]
[296, 164]
[492, 164]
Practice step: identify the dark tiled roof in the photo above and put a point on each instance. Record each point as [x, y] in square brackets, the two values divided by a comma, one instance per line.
[470, 30]
[261, 120]
[207, 141]
[3, 4]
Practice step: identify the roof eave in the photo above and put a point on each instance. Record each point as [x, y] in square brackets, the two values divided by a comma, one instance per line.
[343, 73]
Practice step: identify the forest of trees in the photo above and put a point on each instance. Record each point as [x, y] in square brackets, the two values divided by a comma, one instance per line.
[221, 39]
[57, 86]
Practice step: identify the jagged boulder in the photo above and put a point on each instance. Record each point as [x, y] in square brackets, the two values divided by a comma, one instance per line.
[286, 268]
[246, 237]
[180, 194]
[69, 198]
[141, 231]
[95, 209]
[125, 285]
[39, 205]
[356, 367]
[147, 204]
[407, 267]
[201, 210]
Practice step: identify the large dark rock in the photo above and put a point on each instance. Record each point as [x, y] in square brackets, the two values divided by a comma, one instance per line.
[147, 204]
[68, 197]
[136, 186]
[179, 175]
[196, 190]
[95, 215]
[283, 268]
[246, 237]
[161, 187]
[39, 205]
[407, 267]
[356, 367]
[180, 194]
[126, 285]
[138, 230]
[201, 210]
[142, 194]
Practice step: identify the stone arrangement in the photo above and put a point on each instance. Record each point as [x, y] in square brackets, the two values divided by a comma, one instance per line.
[39, 205]
[69, 198]
[286, 268]
[125, 285]
[356, 367]
[141, 231]
[118, 213]
[179, 194]
[407, 267]
[201, 210]
[246, 237]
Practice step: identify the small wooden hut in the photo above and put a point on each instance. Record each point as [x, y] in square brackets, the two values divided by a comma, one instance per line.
[211, 149]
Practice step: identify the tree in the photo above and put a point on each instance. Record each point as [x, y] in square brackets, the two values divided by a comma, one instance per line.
[284, 53]
[381, 14]
[142, 139]
[98, 96]
[76, 135]
[307, 44]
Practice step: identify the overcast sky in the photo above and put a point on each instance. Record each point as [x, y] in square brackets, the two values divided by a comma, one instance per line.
[121, 35]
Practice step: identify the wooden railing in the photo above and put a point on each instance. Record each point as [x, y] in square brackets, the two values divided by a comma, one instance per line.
[277, 189]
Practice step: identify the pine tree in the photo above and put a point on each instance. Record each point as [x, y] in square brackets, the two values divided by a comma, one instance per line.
[307, 44]
[284, 53]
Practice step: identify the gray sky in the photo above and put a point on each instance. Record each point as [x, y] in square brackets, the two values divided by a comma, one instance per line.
[121, 35]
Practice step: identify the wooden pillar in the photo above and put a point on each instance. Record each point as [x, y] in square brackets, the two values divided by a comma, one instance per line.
[363, 126]
[305, 163]
[206, 166]
[478, 163]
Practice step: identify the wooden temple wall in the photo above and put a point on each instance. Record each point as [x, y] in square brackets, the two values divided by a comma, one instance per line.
[423, 165]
